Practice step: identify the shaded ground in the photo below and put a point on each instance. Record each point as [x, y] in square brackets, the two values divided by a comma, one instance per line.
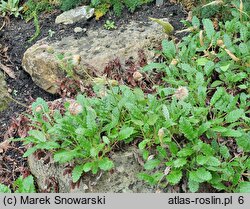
[15, 36]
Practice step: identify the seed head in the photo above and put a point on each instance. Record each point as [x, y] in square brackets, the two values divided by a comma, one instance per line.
[181, 93]
[75, 108]
[137, 76]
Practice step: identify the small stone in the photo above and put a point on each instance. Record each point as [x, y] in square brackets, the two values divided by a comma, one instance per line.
[78, 30]
[74, 15]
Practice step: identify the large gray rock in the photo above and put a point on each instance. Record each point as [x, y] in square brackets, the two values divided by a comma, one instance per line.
[123, 177]
[93, 51]
[75, 15]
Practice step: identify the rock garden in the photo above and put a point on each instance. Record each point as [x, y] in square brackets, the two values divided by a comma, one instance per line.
[124, 96]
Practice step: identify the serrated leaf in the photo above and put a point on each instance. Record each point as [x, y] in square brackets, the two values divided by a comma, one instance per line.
[174, 177]
[180, 162]
[24, 185]
[105, 164]
[193, 177]
[125, 133]
[161, 152]
[168, 48]
[224, 151]
[94, 152]
[165, 112]
[145, 177]
[187, 129]
[143, 144]
[64, 156]
[234, 115]
[232, 133]
[216, 83]
[185, 152]
[213, 161]
[209, 28]
[91, 119]
[151, 164]
[38, 135]
[152, 119]
[152, 66]
[203, 128]
[195, 22]
[203, 174]
[201, 159]
[30, 151]
[4, 189]
[209, 67]
[244, 142]
[217, 95]
[193, 185]
[77, 173]
[244, 187]
[87, 167]
[202, 61]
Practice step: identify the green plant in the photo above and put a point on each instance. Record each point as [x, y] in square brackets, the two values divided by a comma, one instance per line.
[215, 67]
[109, 25]
[10, 7]
[32, 10]
[194, 129]
[21, 185]
[69, 4]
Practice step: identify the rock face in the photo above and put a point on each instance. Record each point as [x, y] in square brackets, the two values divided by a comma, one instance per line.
[74, 15]
[94, 51]
[3, 92]
[123, 178]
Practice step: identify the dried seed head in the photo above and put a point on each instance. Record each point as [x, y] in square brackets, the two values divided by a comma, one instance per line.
[220, 43]
[75, 108]
[103, 93]
[161, 133]
[137, 76]
[174, 62]
[181, 93]
[76, 59]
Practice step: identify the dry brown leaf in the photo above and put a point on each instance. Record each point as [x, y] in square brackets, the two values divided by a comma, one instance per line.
[8, 71]
[4, 146]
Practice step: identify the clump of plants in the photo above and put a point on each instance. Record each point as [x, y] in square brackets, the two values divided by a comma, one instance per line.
[20, 185]
[103, 6]
[10, 7]
[195, 129]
